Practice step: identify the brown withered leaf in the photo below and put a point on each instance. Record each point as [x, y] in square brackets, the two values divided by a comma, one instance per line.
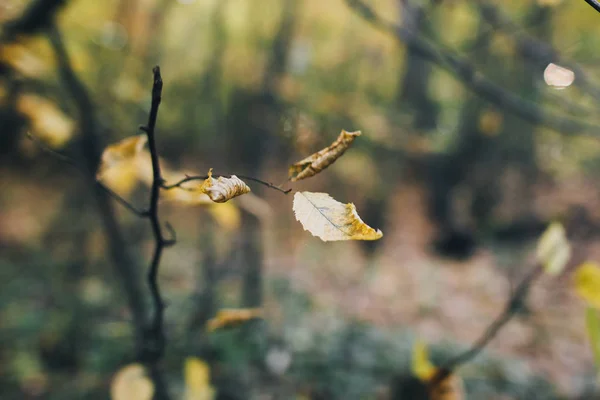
[329, 219]
[223, 189]
[322, 159]
[232, 317]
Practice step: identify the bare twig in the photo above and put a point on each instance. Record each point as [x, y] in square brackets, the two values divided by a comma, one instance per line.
[156, 338]
[594, 3]
[190, 178]
[513, 305]
[474, 79]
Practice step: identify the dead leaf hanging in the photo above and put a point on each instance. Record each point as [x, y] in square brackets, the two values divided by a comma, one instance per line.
[322, 159]
[231, 317]
[329, 219]
[223, 189]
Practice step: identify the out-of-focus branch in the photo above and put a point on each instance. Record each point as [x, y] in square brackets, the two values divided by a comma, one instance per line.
[513, 305]
[38, 16]
[474, 79]
[190, 178]
[531, 48]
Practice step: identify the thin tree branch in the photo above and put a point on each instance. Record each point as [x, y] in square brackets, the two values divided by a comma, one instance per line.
[513, 305]
[594, 3]
[156, 330]
[249, 178]
[474, 79]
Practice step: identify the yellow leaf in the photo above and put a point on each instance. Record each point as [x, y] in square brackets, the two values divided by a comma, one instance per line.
[329, 219]
[587, 283]
[47, 121]
[197, 380]
[421, 367]
[553, 249]
[490, 122]
[223, 189]
[131, 383]
[24, 60]
[558, 77]
[227, 215]
[322, 159]
[231, 317]
[124, 164]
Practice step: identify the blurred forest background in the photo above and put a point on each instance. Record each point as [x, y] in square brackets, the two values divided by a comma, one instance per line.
[466, 155]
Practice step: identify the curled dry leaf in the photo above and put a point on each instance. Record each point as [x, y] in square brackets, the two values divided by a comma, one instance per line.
[558, 77]
[197, 380]
[322, 159]
[553, 249]
[131, 382]
[231, 317]
[223, 189]
[329, 219]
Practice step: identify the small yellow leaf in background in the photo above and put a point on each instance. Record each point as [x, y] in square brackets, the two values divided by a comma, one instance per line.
[587, 283]
[490, 122]
[223, 189]
[124, 164]
[48, 122]
[197, 380]
[553, 249]
[592, 322]
[231, 317]
[320, 160]
[25, 61]
[331, 220]
[421, 367]
[450, 388]
[558, 77]
[131, 383]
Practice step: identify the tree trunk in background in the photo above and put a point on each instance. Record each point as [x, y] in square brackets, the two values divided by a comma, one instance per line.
[413, 90]
[446, 172]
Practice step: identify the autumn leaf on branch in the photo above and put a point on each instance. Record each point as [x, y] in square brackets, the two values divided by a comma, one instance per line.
[223, 189]
[331, 220]
[232, 317]
[322, 159]
[449, 388]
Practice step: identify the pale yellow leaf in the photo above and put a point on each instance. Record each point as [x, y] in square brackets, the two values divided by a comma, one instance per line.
[124, 164]
[197, 380]
[331, 220]
[223, 189]
[231, 317]
[558, 77]
[587, 283]
[24, 60]
[131, 383]
[553, 249]
[320, 160]
[421, 367]
[226, 215]
[47, 121]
